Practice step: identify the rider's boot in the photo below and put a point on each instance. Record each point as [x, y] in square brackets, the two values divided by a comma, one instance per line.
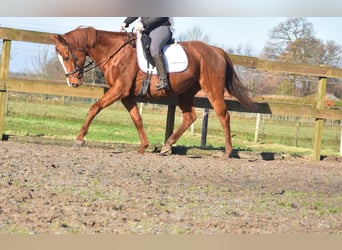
[161, 70]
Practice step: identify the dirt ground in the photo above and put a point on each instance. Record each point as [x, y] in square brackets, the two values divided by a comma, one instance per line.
[57, 189]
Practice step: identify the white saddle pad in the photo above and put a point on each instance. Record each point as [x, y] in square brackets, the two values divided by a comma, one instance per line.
[175, 57]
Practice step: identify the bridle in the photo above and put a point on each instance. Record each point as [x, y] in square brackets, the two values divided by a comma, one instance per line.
[81, 70]
[78, 69]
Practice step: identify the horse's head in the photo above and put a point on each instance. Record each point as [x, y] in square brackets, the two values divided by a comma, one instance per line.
[72, 60]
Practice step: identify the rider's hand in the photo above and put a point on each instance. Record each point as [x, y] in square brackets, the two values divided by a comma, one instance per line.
[123, 26]
[139, 27]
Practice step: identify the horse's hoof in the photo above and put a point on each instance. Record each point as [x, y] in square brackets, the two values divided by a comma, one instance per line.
[165, 150]
[79, 143]
[141, 150]
[226, 155]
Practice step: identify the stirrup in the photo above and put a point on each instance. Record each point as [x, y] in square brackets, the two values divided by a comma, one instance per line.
[162, 85]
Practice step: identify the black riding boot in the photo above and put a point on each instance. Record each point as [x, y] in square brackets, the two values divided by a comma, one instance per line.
[161, 70]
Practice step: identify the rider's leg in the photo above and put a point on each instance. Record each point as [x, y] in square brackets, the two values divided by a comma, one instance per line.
[159, 37]
[161, 69]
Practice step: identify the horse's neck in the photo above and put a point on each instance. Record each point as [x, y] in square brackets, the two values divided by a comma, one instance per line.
[109, 45]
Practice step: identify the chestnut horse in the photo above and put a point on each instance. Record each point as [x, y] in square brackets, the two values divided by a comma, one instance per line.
[209, 69]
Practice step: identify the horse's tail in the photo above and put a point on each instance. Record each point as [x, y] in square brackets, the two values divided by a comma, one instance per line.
[235, 87]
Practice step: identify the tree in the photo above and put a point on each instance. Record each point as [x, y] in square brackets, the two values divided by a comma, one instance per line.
[46, 65]
[53, 70]
[294, 41]
[332, 54]
[194, 33]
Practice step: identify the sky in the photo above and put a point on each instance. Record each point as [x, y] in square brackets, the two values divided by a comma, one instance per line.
[226, 32]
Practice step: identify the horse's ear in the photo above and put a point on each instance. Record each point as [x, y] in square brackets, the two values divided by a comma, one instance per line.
[53, 37]
[58, 38]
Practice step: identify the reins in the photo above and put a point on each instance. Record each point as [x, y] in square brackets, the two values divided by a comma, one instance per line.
[88, 67]
[77, 68]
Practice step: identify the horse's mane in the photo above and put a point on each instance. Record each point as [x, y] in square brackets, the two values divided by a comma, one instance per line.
[82, 37]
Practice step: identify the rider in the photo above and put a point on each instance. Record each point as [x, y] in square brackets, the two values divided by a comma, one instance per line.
[158, 29]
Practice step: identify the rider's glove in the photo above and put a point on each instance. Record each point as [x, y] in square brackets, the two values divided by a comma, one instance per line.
[123, 26]
[139, 27]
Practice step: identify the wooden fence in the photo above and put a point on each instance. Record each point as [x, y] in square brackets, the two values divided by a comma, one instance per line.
[57, 88]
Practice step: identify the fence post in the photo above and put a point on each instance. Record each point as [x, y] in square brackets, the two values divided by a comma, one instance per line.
[204, 127]
[4, 68]
[257, 125]
[170, 121]
[322, 90]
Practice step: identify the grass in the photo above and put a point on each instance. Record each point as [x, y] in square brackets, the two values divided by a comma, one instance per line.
[54, 120]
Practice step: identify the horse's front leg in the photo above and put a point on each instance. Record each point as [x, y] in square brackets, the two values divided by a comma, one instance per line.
[189, 116]
[107, 99]
[131, 106]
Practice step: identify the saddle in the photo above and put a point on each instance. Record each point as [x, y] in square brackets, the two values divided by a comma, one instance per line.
[175, 57]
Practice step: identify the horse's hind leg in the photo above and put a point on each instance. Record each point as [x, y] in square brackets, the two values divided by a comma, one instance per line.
[222, 113]
[188, 115]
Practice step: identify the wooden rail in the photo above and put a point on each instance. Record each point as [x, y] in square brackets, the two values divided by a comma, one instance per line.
[57, 88]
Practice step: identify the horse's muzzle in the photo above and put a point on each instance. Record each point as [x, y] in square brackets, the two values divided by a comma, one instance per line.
[72, 82]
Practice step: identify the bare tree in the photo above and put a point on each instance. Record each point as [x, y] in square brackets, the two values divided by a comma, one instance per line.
[246, 50]
[294, 41]
[194, 33]
[46, 65]
[53, 70]
[284, 35]
[332, 54]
